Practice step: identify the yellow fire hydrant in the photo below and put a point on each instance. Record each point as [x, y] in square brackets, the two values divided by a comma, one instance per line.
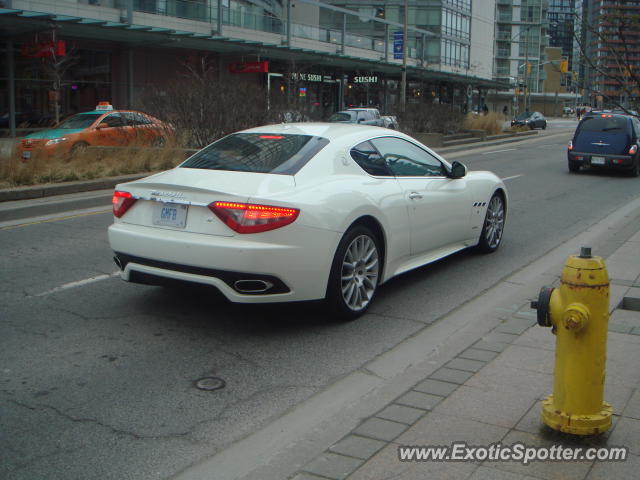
[578, 312]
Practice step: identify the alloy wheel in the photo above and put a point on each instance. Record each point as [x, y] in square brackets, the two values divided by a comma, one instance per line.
[359, 272]
[494, 223]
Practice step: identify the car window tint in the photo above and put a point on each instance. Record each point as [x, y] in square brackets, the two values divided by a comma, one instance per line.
[142, 119]
[405, 159]
[81, 120]
[341, 117]
[370, 159]
[604, 124]
[113, 120]
[130, 118]
[258, 152]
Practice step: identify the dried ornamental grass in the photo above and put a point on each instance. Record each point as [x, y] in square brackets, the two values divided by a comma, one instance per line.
[91, 164]
[490, 123]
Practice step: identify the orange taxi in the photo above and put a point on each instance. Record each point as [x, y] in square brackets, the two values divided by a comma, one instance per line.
[103, 126]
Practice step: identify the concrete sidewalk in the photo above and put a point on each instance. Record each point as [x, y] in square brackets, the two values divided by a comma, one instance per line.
[491, 392]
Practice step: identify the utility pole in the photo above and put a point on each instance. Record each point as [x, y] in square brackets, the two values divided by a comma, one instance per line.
[403, 82]
[526, 68]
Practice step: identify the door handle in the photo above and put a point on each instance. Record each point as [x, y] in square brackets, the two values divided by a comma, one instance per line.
[414, 195]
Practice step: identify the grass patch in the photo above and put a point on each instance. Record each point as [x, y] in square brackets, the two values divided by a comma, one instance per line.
[92, 164]
[490, 123]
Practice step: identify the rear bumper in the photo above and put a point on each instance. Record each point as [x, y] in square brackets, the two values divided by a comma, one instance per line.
[621, 162]
[296, 267]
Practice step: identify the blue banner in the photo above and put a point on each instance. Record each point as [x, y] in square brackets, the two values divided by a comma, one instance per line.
[398, 45]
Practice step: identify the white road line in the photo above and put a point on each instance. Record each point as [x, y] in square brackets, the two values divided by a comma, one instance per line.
[79, 283]
[512, 177]
[498, 151]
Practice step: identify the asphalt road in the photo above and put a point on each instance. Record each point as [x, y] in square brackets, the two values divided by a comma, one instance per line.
[97, 376]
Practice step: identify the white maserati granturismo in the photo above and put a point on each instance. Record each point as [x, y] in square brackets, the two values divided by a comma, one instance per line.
[303, 211]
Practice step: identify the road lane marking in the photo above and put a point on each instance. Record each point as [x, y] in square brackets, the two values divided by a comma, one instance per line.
[79, 283]
[511, 177]
[56, 219]
[499, 151]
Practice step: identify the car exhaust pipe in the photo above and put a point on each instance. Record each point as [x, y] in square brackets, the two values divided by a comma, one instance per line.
[118, 262]
[252, 286]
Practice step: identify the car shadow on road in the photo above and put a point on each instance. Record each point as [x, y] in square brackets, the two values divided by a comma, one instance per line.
[204, 307]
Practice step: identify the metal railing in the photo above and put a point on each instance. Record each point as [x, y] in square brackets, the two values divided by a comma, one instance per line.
[238, 15]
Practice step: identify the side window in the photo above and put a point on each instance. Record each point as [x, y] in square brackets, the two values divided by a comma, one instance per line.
[405, 159]
[113, 120]
[370, 160]
[141, 119]
[636, 124]
[130, 118]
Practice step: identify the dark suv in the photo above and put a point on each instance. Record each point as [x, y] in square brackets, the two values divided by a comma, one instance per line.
[606, 141]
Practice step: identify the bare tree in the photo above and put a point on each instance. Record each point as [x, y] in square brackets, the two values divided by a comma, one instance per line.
[55, 65]
[614, 39]
[201, 107]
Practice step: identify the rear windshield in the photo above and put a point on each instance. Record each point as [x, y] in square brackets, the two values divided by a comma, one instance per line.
[82, 120]
[604, 124]
[258, 152]
[342, 117]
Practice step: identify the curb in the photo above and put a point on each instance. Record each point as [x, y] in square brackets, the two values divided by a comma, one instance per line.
[48, 190]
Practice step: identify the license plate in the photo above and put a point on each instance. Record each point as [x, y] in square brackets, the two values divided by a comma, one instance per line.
[170, 215]
[26, 155]
[597, 160]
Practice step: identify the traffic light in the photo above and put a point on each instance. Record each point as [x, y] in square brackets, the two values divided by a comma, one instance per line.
[564, 66]
[528, 67]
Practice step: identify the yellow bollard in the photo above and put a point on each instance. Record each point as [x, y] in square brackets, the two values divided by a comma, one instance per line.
[578, 312]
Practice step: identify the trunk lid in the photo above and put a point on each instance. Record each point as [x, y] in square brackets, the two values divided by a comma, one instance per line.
[177, 199]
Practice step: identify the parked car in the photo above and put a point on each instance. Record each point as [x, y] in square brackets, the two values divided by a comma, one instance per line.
[530, 119]
[390, 121]
[607, 140]
[304, 211]
[102, 126]
[362, 116]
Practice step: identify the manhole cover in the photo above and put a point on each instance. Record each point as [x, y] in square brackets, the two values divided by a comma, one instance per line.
[210, 383]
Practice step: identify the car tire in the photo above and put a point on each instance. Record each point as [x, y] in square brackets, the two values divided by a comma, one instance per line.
[355, 274]
[78, 149]
[493, 227]
[635, 170]
[573, 166]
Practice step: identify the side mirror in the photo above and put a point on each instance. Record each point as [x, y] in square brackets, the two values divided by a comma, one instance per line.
[100, 126]
[458, 170]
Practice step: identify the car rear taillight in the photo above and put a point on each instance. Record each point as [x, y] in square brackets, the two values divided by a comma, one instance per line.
[251, 218]
[122, 202]
[633, 150]
[570, 146]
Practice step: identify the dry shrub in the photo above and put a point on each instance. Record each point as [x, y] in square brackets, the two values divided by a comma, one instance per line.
[490, 123]
[92, 164]
[430, 118]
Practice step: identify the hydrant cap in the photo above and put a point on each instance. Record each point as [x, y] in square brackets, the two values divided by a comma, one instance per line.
[585, 271]
[542, 306]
